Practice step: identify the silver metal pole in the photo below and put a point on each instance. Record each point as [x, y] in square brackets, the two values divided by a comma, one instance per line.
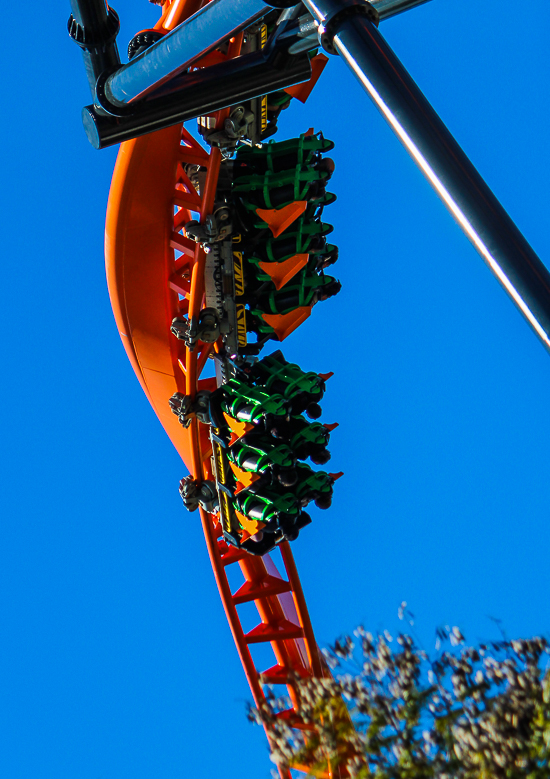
[178, 49]
[438, 155]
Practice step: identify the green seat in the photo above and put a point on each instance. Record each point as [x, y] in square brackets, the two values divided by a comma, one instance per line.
[276, 156]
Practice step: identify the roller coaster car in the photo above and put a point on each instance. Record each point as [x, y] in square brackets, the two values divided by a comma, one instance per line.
[276, 190]
[257, 430]
[251, 404]
[303, 390]
[256, 443]
[303, 292]
[261, 454]
[323, 259]
[279, 509]
[254, 254]
[306, 439]
[254, 522]
[283, 155]
[314, 486]
[275, 183]
[304, 237]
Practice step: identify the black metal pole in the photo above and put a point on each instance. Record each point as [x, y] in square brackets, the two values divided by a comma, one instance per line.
[345, 29]
[94, 27]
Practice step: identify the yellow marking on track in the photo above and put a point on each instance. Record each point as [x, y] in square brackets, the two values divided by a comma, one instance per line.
[239, 274]
[225, 506]
[241, 324]
[263, 117]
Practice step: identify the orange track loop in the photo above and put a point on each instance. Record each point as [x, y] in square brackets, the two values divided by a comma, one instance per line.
[151, 199]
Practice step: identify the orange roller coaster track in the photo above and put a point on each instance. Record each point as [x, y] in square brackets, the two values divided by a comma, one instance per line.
[154, 274]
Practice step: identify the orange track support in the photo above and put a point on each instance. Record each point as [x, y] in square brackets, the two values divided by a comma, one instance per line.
[151, 199]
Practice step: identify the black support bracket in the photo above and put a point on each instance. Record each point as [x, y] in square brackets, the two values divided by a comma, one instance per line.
[346, 10]
[198, 93]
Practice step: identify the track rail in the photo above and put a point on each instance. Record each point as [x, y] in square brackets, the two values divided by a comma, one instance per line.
[155, 273]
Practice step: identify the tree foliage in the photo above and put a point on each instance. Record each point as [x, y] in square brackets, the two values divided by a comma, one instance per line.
[465, 713]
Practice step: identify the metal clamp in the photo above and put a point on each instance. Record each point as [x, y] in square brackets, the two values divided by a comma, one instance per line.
[186, 408]
[344, 10]
[103, 102]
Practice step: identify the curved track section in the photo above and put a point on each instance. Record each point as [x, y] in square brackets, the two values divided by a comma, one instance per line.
[154, 274]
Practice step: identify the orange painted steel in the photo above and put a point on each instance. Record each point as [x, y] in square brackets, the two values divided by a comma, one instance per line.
[155, 273]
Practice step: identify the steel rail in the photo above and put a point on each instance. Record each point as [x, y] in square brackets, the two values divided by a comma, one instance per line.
[176, 51]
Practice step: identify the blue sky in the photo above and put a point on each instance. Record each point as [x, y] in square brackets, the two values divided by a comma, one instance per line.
[116, 659]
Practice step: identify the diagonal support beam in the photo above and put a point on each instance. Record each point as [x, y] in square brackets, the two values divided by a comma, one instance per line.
[346, 28]
[177, 50]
